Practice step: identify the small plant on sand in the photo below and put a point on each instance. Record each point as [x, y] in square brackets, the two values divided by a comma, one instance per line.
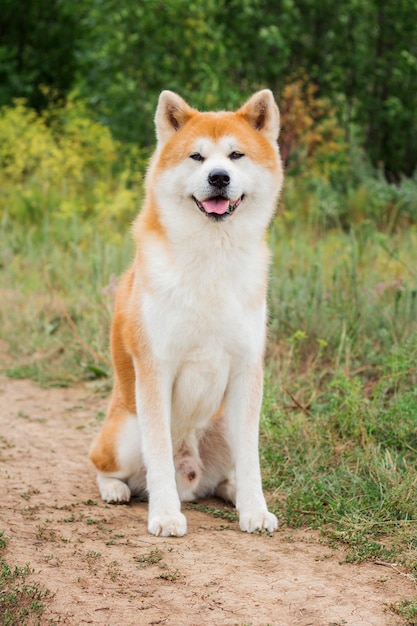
[21, 602]
[408, 610]
[150, 558]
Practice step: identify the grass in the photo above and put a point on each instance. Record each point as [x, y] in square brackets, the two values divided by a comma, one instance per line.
[21, 602]
[64, 301]
[339, 443]
[408, 610]
[223, 513]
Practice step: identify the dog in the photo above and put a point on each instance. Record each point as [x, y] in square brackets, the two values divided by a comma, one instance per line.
[189, 320]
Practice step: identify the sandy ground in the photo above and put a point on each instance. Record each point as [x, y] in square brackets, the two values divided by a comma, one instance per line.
[103, 568]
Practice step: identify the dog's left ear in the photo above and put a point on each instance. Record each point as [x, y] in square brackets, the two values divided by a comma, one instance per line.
[262, 113]
[171, 114]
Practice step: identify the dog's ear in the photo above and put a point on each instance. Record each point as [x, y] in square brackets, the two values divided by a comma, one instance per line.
[262, 113]
[171, 114]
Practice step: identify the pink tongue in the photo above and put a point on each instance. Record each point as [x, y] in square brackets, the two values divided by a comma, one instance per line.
[216, 205]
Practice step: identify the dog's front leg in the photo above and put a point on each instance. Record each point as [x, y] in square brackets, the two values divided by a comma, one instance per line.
[153, 402]
[242, 408]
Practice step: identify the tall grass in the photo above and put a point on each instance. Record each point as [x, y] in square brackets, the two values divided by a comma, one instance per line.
[56, 301]
[342, 300]
[340, 412]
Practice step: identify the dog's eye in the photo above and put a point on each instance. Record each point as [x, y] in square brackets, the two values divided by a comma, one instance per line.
[235, 155]
[196, 156]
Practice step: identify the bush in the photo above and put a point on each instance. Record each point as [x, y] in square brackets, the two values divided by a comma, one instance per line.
[61, 165]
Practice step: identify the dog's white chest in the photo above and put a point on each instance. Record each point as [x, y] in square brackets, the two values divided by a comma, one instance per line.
[202, 332]
[203, 318]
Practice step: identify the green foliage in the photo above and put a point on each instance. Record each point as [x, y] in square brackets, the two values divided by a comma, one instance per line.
[61, 166]
[38, 50]
[344, 463]
[57, 291]
[138, 49]
[360, 54]
[408, 610]
[353, 295]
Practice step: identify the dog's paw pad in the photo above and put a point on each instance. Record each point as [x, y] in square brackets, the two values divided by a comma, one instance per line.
[114, 491]
[168, 525]
[262, 520]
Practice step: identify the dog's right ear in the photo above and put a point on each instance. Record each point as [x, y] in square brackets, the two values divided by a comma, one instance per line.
[171, 114]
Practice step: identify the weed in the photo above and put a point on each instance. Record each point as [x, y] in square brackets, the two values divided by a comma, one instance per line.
[150, 558]
[113, 570]
[20, 602]
[46, 534]
[28, 494]
[224, 513]
[104, 529]
[52, 560]
[170, 575]
[408, 610]
[23, 415]
[31, 512]
[3, 541]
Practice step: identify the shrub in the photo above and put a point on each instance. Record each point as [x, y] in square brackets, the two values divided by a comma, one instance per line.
[61, 165]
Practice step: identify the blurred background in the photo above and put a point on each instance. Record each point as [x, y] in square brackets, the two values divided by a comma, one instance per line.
[345, 71]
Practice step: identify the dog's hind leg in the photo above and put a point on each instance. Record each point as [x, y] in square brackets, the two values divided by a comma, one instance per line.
[113, 490]
[218, 470]
[188, 471]
[116, 454]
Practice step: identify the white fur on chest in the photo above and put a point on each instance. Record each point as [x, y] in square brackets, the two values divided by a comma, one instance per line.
[205, 320]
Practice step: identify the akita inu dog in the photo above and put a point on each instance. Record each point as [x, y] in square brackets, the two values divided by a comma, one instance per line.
[189, 322]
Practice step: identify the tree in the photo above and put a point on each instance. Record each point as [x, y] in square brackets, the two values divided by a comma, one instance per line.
[119, 54]
[136, 49]
[37, 50]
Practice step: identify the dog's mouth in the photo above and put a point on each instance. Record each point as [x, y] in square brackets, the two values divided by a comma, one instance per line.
[218, 208]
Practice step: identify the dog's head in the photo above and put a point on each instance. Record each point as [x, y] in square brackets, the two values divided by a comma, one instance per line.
[217, 164]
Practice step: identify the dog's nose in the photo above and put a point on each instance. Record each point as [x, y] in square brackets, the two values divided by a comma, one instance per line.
[219, 178]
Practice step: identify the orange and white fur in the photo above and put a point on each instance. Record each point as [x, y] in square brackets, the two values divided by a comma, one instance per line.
[190, 315]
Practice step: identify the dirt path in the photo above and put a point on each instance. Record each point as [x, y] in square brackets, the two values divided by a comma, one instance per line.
[105, 569]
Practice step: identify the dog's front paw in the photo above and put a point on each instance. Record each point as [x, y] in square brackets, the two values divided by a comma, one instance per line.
[168, 525]
[258, 520]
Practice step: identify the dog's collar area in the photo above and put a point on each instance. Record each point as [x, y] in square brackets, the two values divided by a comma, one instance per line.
[218, 217]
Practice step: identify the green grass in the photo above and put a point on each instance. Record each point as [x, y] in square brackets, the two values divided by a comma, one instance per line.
[56, 293]
[21, 601]
[408, 610]
[223, 513]
[339, 443]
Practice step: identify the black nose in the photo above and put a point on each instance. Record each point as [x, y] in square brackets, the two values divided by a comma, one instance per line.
[219, 178]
